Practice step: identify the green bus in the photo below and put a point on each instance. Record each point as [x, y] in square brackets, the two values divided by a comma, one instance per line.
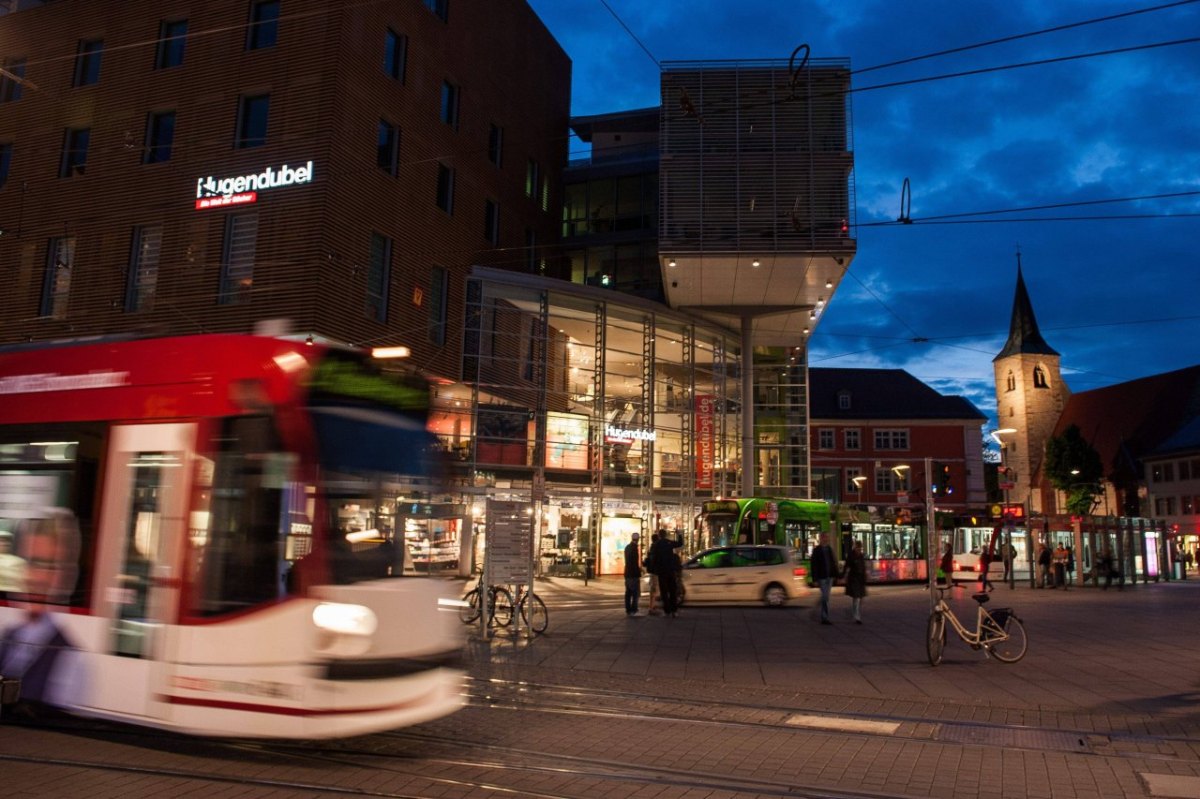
[762, 520]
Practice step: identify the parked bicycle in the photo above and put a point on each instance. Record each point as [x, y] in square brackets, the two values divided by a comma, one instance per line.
[533, 610]
[499, 606]
[999, 633]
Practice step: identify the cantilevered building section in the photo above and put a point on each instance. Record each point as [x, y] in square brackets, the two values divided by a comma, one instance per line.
[755, 229]
[757, 188]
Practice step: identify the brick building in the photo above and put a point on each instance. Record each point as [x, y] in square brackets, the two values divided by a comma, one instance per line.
[185, 166]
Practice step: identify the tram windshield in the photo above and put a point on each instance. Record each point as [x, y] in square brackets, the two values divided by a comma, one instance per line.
[718, 529]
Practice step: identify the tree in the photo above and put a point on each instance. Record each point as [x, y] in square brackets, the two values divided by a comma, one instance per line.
[1073, 466]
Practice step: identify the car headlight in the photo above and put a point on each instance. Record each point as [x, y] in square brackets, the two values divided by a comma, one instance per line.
[338, 617]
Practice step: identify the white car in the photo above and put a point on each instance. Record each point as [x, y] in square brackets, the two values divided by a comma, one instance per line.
[744, 573]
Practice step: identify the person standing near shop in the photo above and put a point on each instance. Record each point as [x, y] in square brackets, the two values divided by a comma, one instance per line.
[633, 575]
[1043, 566]
[663, 564]
[985, 565]
[824, 567]
[855, 576]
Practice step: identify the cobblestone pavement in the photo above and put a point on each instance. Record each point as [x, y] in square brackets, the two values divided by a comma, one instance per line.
[730, 703]
[1106, 703]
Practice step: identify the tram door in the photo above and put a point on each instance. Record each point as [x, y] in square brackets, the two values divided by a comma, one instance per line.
[138, 570]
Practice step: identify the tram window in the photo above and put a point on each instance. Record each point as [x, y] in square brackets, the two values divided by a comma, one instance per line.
[52, 466]
[242, 552]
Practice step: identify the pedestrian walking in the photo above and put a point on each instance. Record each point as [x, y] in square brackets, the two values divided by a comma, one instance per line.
[946, 567]
[985, 564]
[855, 577]
[823, 568]
[1010, 556]
[633, 575]
[665, 564]
[1070, 566]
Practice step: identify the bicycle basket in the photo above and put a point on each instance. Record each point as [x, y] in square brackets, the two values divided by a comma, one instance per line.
[1000, 616]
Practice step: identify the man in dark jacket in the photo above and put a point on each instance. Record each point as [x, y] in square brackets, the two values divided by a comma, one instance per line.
[824, 567]
[665, 564]
[633, 576]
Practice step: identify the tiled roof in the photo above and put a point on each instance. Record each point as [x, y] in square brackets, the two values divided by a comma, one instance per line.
[1128, 420]
[881, 394]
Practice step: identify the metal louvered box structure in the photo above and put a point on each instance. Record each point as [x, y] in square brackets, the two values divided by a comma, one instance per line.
[756, 186]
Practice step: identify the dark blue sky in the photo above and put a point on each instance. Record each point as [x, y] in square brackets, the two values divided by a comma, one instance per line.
[1118, 298]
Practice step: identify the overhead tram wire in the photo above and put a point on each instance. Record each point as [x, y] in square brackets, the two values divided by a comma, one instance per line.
[737, 105]
[1019, 36]
[632, 35]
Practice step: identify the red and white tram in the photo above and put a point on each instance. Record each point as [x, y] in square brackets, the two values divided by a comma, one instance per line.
[197, 534]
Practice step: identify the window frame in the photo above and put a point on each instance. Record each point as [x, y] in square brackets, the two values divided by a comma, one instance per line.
[87, 62]
[262, 33]
[247, 114]
[445, 188]
[229, 291]
[395, 55]
[170, 50]
[56, 283]
[852, 439]
[491, 221]
[379, 276]
[155, 151]
[496, 145]
[826, 438]
[891, 439]
[387, 153]
[10, 88]
[439, 290]
[72, 164]
[451, 94]
[6, 154]
[439, 8]
[137, 296]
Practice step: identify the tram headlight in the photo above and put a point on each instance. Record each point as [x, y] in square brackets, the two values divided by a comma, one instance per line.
[344, 619]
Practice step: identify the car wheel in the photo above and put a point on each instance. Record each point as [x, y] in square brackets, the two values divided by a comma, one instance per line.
[775, 596]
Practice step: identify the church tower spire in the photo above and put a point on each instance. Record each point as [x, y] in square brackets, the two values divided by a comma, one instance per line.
[1023, 333]
[1030, 397]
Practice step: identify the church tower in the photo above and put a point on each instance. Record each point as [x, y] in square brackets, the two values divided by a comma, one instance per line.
[1030, 396]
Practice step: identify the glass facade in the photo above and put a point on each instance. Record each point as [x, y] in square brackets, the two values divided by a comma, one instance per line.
[606, 414]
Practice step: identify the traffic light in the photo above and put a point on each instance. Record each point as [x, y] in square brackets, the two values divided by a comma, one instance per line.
[947, 486]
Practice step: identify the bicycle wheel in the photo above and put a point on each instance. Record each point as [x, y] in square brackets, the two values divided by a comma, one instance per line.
[534, 613]
[1012, 648]
[935, 638]
[501, 607]
[470, 611]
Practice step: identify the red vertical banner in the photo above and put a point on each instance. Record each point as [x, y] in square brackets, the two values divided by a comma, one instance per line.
[705, 440]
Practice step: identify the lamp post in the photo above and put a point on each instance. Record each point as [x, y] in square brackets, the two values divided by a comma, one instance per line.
[1005, 485]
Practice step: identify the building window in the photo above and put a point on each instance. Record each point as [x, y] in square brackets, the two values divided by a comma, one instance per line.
[160, 135]
[545, 195]
[87, 62]
[843, 400]
[854, 480]
[172, 36]
[496, 144]
[439, 7]
[11, 79]
[1185, 472]
[388, 147]
[891, 439]
[1162, 473]
[1187, 505]
[491, 221]
[530, 250]
[252, 120]
[1164, 506]
[395, 55]
[1010, 382]
[445, 188]
[852, 438]
[379, 277]
[1039, 378]
[450, 104]
[6, 150]
[264, 25]
[56, 287]
[439, 284]
[885, 480]
[531, 178]
[75, 150]
[143, 267]
[237, 262]
[826, 438]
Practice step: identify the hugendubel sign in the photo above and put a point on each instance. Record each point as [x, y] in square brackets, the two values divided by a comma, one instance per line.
[243, 190]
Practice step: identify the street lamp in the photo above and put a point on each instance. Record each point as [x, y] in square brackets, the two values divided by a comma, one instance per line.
[1006, 484]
